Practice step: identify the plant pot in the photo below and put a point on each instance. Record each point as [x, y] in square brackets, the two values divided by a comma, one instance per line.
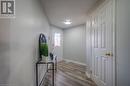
[44, 58]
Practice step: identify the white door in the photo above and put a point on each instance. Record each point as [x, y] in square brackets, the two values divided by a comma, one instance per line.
[103, 46]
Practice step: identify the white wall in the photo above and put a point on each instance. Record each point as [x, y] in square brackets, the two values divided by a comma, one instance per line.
[19, 43]
[4, 51]
[58, 51]
[74, 44]
[123, 42]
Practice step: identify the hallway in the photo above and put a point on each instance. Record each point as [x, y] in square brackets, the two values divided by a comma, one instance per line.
[89, 38]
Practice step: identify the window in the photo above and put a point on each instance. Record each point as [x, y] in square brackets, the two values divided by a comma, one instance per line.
[57, 39]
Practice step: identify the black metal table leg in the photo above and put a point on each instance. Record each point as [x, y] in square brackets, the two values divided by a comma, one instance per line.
[36, 74]
[47, 67]
[56, 64]
[53, 81]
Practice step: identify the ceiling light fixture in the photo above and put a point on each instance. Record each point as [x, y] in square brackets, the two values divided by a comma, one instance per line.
[67, 22]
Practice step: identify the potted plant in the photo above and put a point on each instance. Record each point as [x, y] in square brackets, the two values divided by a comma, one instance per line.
[44, 51]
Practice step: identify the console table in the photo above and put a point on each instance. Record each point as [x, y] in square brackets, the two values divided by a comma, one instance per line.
[53, 68]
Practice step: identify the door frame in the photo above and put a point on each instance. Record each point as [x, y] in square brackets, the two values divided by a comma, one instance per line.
[114, 44]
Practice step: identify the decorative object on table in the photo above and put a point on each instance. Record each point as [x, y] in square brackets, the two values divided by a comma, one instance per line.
[43, 48]
[52, 53]
[51, 56]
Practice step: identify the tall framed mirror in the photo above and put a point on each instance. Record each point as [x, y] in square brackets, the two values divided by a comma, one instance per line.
[42, 39]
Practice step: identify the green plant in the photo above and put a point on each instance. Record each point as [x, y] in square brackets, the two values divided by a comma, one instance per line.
[44, 49]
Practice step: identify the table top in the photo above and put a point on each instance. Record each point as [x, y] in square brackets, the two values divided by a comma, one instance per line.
[44, 62]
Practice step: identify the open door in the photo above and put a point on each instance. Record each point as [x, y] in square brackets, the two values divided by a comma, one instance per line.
[102, 32]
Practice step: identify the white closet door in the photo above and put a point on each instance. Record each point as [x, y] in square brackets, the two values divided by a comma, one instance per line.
[102, 46]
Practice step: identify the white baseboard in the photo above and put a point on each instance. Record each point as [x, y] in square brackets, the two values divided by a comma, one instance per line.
[67, 60]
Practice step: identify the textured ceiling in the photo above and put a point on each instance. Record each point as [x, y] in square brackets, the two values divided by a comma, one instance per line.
[58, 11]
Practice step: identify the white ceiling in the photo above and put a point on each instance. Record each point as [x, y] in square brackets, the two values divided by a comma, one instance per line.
[58, 11]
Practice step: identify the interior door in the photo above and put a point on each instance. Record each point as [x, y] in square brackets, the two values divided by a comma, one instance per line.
[103, 46]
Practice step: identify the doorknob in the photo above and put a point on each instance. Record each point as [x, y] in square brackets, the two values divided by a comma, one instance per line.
[109, 54]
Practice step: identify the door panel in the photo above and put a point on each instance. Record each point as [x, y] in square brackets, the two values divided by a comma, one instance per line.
[102, 45]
